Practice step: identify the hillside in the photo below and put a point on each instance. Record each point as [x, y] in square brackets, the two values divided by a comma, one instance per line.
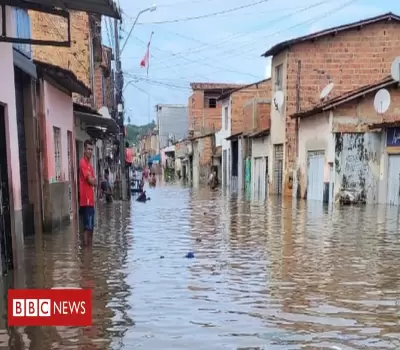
[134, 131]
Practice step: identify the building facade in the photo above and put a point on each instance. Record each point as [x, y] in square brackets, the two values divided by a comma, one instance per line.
[204, 108]
[346, 146]
[243, 113]
[350, 56]
[172, 123]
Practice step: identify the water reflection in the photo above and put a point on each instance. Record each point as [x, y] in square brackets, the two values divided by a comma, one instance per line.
[267, 274]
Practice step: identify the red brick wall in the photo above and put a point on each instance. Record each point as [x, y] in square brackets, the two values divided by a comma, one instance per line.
[75, 58]
[206, 154]
[247, 116]
[264, 115]
[203, 120]
[365, 112]
[242, 106]
[352, 59]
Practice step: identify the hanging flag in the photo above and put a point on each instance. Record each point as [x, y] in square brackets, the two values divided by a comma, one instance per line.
[145, 62]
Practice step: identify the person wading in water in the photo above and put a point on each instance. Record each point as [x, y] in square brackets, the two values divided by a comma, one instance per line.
[87, 183]
[212, 179]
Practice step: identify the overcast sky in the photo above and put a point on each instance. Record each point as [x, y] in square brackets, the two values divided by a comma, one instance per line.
[216, 47]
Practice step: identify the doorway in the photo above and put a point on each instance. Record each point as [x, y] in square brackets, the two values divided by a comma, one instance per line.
[5, 215]
[278, 169]
[393, 187]
[315, 178]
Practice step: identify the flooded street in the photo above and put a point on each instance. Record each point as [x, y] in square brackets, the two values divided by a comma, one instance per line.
[266, 275]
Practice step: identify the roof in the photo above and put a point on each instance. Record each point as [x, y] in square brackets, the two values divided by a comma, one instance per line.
[85, 109]
[383, 125]
[97, 126]
[201, 136]
[260, 133]
[230, 92]
[170, 105]
[346, 97]
[213, 86]
[101, 7]
[274, 50]
[234, 136]
[62, 77]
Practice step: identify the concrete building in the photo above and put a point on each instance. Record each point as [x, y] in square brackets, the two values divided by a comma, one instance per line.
[172, 123]
[240, 118]
[350, 55]
[344, 144]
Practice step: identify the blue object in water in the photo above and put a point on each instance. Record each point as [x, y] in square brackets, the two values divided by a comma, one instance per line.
[189, 255]
[162, 257]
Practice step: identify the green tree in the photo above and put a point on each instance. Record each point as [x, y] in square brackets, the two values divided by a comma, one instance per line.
[133, 132]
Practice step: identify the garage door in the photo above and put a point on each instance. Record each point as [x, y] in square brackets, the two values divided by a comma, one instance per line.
[315, 171]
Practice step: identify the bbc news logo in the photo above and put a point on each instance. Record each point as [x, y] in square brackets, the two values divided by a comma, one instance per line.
[49, 307]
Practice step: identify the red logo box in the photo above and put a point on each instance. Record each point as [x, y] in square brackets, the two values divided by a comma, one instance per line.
[50, 307]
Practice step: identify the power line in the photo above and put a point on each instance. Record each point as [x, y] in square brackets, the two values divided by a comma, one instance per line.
[185, 19]
[202, 63]
[239, 48]
[241, 34]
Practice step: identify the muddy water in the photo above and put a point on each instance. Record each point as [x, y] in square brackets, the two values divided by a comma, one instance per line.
[266, 275]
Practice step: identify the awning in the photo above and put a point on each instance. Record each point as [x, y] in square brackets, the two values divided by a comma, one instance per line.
[169, 149]
[24, 64]
[101, 7]
[154, 159]
[234, 136]
[384, 125]
[62, 77]
[259, 134]
[96, 124]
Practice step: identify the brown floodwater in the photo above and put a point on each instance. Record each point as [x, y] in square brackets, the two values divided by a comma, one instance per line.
[275, 274]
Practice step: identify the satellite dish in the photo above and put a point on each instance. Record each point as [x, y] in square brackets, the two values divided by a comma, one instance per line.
[382, 101]
[278, 100]
[395, 69]
[326, 91]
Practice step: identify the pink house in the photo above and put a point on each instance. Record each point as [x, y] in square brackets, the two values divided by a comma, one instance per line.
[17, 112]
[57, 134]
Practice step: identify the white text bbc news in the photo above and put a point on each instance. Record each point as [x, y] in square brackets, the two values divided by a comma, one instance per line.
[47, 308]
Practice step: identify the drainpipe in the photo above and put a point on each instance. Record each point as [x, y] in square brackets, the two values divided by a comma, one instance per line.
[295, 174]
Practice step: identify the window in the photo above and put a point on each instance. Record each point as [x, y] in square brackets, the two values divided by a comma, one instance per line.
[210, 102]
[57, 153]
[226, 117]
[278, 77]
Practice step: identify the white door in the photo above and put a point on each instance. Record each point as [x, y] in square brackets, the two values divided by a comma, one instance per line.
[315, 186]
[259, 166]
[393, 190]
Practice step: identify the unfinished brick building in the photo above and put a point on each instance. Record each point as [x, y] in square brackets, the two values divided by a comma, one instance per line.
[350, 56]
[85, 42]
[203, 107]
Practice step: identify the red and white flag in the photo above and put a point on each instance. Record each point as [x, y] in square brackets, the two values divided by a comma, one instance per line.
[145, 62]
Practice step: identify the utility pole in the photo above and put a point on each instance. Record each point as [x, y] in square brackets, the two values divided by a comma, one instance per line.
[120, 111]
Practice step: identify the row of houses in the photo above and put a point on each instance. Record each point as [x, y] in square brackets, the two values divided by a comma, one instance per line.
[285, 136]
[54, 95]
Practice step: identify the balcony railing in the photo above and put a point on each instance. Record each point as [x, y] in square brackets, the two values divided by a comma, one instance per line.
[22, 25]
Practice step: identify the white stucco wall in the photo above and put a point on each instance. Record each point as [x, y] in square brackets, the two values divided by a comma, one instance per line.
[220, 140]
[315, 134]
[278, 118]
[260, 147]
